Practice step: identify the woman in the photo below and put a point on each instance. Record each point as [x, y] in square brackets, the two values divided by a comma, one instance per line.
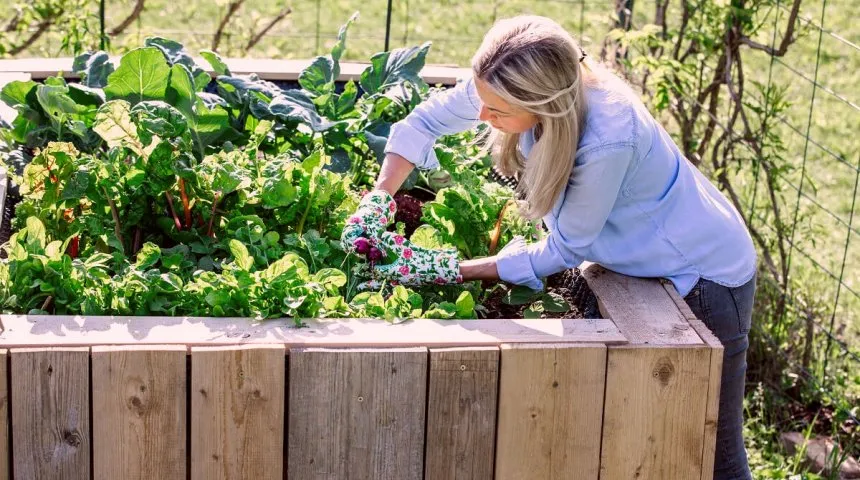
[605, 177]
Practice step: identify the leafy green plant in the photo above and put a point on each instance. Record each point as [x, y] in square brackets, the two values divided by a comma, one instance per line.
[144, 193]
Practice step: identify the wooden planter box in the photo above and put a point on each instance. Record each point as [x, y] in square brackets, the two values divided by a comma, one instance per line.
[633, 395]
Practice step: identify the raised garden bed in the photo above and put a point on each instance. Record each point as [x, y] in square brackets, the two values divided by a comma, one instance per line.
[632, 395]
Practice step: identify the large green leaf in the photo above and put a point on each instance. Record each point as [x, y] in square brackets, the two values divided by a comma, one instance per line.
[295, 106]
[143, 74]
[318, 78]
[278, 193]
[235, 89]
[113, 123]
[390, 68]
[77, 186]
[218, 65]
[19, 93]
[177, 55]
[180, 91]
[340, 45]
[94, 68]
[84, 95]
[159, 118]
[55, 101]
[213, 125]
[240, 253]
[148, 255]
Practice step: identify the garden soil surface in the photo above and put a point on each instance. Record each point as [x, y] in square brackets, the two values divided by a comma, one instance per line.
[570, 284]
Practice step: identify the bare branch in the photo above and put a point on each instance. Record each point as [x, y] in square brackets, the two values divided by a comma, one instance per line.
[135, 13]
[231, 10]
[685, 19]
[259, 35]
[13, 22]
[42, 28]
[787, 37]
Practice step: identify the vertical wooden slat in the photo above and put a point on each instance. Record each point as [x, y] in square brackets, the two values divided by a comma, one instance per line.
[550, 409]
[656, 399]
[4, 417]
[139, 405]
[461, 413]
[237, 412]
[51, 411]
[357, 413]
[714, 385]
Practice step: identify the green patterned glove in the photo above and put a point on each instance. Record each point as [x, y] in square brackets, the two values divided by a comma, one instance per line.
[362, 230]
[413, 265]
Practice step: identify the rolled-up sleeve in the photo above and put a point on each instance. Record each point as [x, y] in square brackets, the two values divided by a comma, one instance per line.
[453, 111]
[590, 195]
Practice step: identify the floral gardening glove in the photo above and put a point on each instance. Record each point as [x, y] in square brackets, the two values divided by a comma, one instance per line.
[362, 230]
[413, 265]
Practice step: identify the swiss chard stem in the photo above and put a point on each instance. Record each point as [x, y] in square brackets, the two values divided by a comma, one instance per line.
[305, 214]
[47, 303]
[497, 229]
[185, 204]
[117, 228]
[137, 238]
[172, 211]
[212, 217]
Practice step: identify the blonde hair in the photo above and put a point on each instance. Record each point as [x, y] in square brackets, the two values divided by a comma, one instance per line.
[533, 64]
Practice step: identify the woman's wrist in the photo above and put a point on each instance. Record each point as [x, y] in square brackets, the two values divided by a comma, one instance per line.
[479, 269]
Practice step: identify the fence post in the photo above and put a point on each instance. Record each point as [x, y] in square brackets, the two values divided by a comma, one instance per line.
[387, 26]
[101, 24]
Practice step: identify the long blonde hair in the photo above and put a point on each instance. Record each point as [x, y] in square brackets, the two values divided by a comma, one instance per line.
[533, 64]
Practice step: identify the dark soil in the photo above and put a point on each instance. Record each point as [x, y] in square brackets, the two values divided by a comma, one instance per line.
[570, 284]
[12, 199]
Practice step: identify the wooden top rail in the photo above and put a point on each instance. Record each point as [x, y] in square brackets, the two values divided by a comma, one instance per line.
[67, 330]
[267, 69]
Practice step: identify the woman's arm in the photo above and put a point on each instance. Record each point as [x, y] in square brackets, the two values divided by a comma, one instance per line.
[452, 111]
[393, 173]
[588, 200]
[479, 269]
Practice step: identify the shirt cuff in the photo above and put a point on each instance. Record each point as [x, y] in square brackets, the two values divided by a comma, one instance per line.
[516, 267]
[408, 142]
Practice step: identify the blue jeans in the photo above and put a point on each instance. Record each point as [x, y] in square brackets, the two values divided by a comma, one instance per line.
[727, 312]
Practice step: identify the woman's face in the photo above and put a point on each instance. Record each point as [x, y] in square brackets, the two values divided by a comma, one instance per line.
[500, 114]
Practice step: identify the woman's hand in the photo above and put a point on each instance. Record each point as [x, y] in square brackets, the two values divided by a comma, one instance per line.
[413, 265]
[364, 228]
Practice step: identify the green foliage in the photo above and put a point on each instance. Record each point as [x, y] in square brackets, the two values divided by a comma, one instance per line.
[147, 195]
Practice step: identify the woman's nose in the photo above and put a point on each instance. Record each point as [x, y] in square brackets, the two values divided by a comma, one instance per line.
[484, 114]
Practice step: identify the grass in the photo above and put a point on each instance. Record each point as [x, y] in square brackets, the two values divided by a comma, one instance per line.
[830, 158]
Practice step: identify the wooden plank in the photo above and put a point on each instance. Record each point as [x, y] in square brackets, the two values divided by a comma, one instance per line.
[57, 330]
[237, 412]
[357, 413]
[656, 399]
[267, 69]
[550, 411]
[4, 417]
[51, 411]
[461, 413]
[140, 399]
[641, 308]
[712, 413]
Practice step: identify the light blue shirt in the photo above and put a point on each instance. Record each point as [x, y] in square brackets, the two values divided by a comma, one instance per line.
[633, 203]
